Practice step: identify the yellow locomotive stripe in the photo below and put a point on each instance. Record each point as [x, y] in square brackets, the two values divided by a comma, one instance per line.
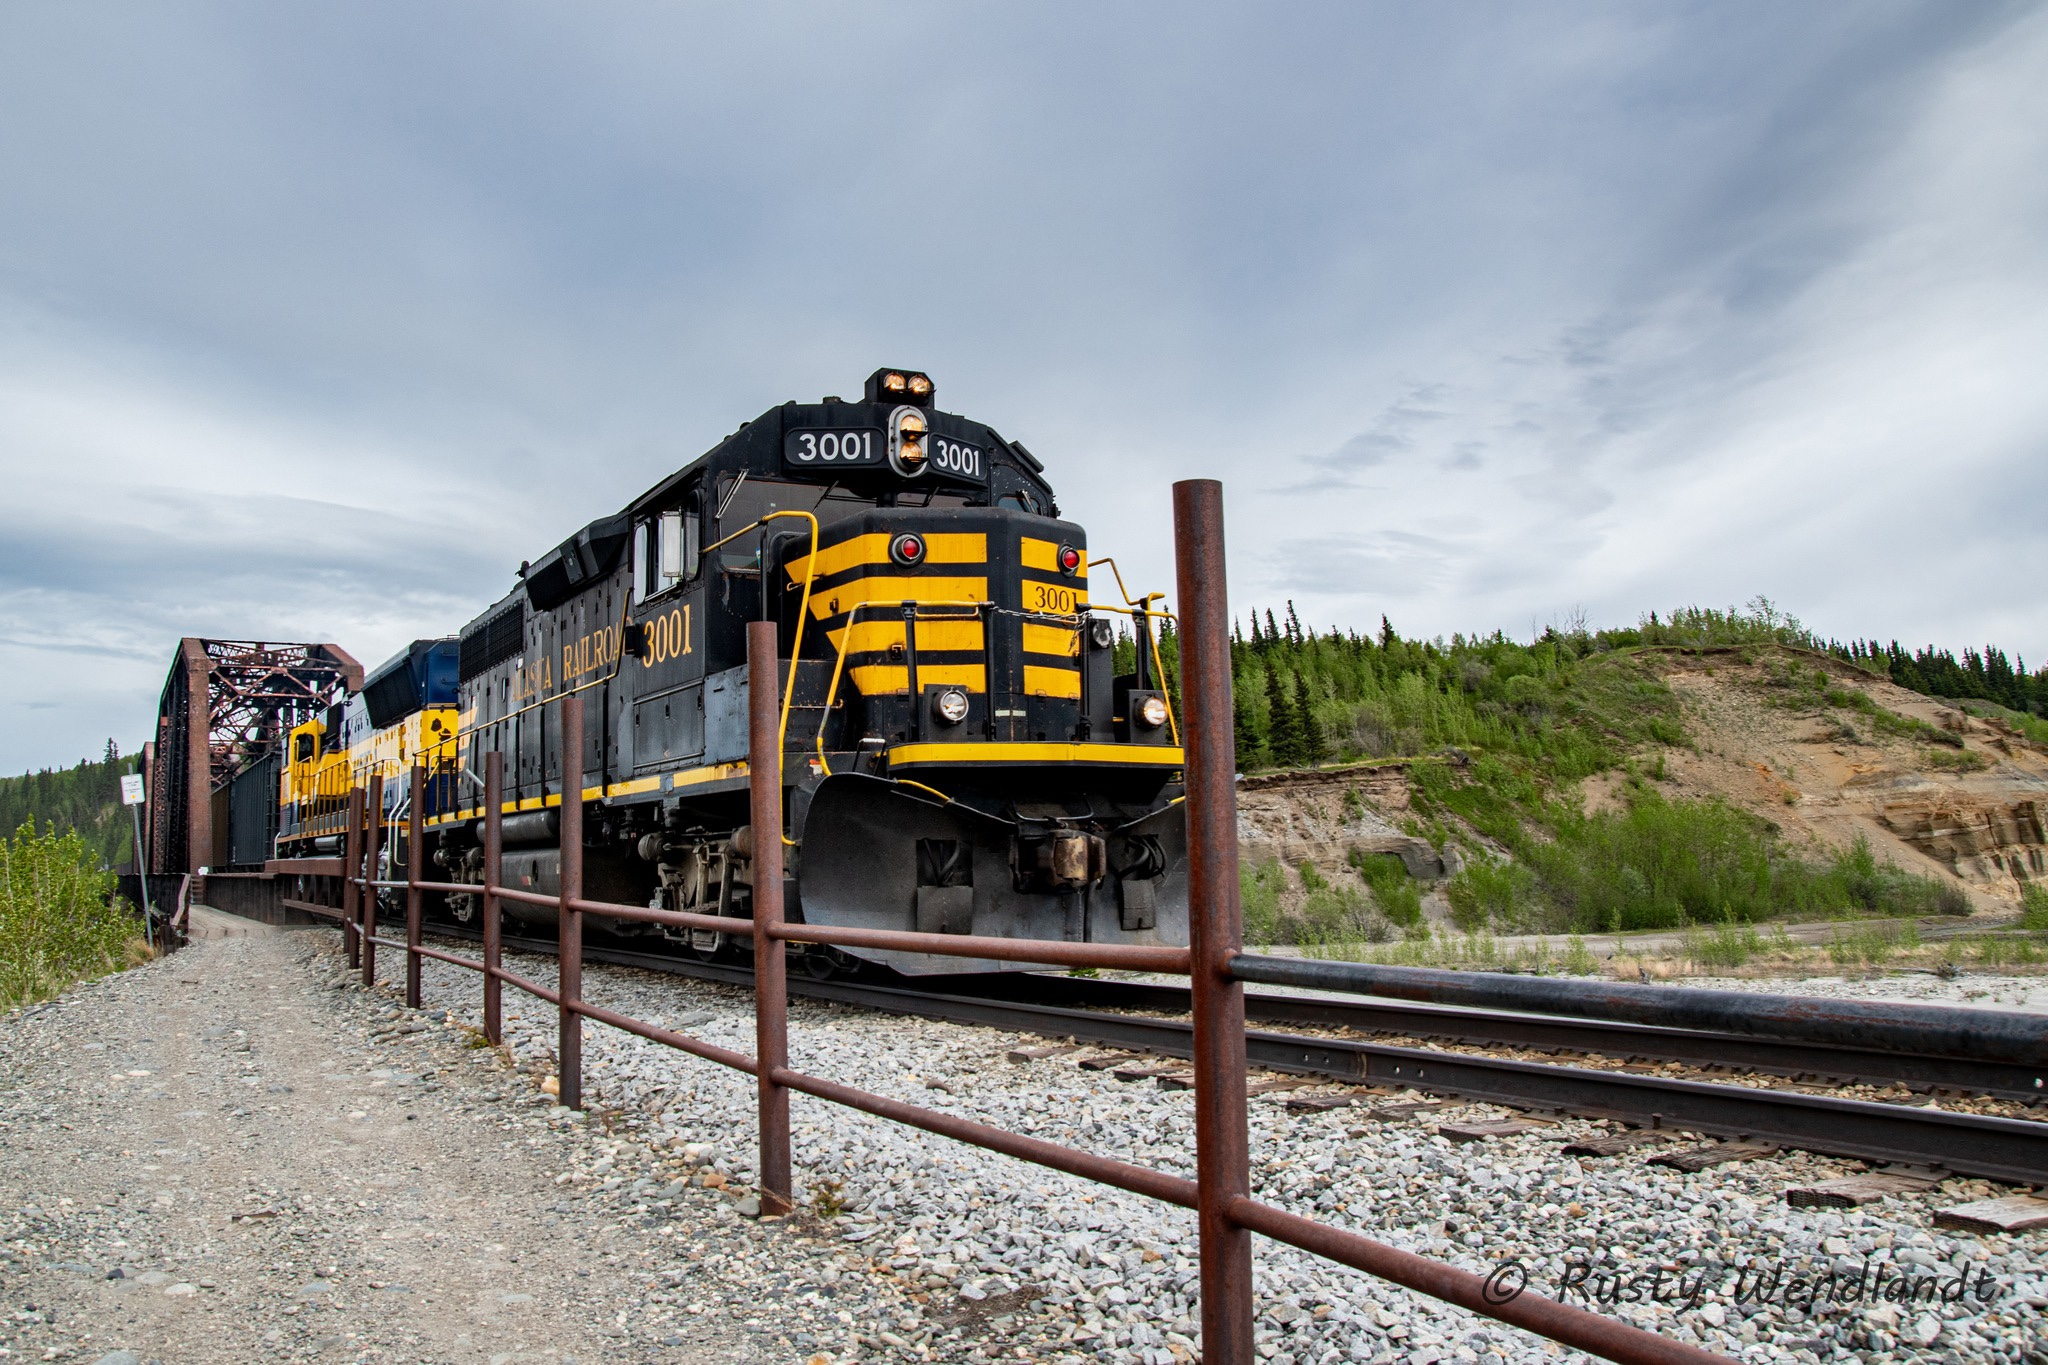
[892, 589]
[717, 772]
[1041, 751]
[940, 547]
[936, 633]
[637, 785]
[875, 680]
[1048, 682]
[1064, 641]
[1045, 555]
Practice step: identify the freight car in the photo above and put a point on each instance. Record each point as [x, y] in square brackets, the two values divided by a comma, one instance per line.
[961, 753]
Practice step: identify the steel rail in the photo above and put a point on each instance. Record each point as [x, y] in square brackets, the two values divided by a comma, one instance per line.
[1501, 1028]
[2010, 1150]
[2013, 1036]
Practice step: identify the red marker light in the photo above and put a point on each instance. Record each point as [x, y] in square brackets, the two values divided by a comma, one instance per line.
[907, 549]
[1070, 560]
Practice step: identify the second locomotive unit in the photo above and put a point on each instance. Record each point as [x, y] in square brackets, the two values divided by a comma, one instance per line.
[960, 753]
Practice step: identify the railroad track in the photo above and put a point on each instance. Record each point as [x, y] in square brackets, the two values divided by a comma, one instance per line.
[2004, 1149]
[1801, 1061]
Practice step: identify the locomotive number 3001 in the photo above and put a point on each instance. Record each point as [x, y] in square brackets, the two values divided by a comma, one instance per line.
[819, 449]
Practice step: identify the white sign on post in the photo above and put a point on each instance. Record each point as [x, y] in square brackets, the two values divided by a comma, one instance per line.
[131, 789]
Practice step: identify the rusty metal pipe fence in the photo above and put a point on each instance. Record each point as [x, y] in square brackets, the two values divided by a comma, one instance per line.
[1220, 1193]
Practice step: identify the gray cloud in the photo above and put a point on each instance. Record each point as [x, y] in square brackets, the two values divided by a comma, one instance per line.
[315, 324]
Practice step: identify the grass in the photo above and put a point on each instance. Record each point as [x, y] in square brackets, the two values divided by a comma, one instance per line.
[1800, 686]
[1868, 945]
[58, 920]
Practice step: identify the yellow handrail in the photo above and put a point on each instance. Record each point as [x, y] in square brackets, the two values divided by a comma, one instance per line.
[839, 662]
[1143, 604]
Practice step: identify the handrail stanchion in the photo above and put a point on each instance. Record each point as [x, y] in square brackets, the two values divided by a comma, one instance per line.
[771, 964]
[569, 920]
[375, 834]
[494, 856]
[1215, 923]
[351, 867]
[415, 831]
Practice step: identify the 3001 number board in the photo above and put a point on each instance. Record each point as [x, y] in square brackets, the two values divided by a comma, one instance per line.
[815, 448]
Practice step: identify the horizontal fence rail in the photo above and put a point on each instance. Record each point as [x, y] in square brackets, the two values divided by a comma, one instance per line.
[1219, 1194]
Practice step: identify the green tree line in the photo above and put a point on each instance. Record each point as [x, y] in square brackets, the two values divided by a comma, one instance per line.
[85, 799]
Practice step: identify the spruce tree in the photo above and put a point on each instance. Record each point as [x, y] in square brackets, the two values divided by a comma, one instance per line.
[1293, 625]
[1312, 746]
[1244, 720]
[1283, 731]
[1272, 630]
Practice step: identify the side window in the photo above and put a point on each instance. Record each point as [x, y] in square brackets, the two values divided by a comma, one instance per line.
[665, 553]
[304, 748]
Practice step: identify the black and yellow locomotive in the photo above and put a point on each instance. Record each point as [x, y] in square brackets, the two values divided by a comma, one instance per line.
[960, 754]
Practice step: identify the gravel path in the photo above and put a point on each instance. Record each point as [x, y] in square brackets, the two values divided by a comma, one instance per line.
[908, 1247]
[211, 1159]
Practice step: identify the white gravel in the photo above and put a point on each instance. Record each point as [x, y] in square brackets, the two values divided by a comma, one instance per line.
[937, 1250]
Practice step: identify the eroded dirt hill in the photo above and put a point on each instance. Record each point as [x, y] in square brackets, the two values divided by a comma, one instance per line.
[1934, 790]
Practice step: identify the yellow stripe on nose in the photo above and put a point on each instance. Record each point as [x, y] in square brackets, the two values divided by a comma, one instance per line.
[875, 680]
[1065, 641]
[1044, 555]
[877, 636]
[889, 591]
[940, 547]
[1048, 682]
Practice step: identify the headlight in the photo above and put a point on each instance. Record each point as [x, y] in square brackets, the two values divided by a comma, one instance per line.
[950, 705]
[893, 384]
[907, 430]
[1101, 633]
[1152, 712]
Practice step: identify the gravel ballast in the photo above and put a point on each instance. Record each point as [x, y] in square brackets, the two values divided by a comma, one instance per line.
[906, 1246]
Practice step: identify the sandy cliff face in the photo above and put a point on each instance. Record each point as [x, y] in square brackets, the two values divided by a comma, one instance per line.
[1322, 817]
[1822, 774]
[1827, 774]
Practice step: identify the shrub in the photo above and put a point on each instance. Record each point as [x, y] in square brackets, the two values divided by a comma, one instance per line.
[1259, 887]
[1393, 890]
[2034, 907]
[57, 922]
[1491, 892]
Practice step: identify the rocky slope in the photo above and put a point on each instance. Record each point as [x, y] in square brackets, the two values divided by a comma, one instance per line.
[1954, 795]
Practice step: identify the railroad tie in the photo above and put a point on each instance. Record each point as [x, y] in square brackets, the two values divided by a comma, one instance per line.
[1696, 1159]
[1483, 1129]
[1614, 1144]
[2014, 1213]
[1857, 1190]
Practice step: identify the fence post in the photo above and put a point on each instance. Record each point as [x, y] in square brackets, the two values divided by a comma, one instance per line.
[1215, 922]
[415, 832]
[351, 867]
[569, 934]
[771, 983]
[494, 853]
[375, 835]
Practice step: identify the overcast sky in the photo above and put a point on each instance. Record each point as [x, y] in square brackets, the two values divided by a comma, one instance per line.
[315, 321]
